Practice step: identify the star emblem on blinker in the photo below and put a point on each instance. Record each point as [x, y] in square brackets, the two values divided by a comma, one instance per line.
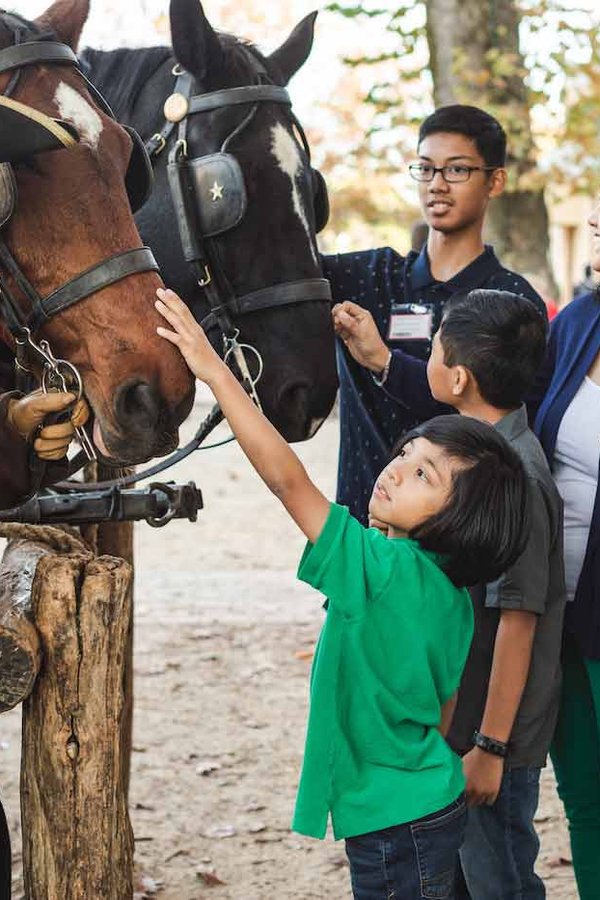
[216, 192]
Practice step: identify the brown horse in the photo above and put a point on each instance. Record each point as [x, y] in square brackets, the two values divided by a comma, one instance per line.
[72, 213]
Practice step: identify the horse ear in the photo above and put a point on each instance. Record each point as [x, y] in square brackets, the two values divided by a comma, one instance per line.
[293, 53]
[66, 19]
[196, 45]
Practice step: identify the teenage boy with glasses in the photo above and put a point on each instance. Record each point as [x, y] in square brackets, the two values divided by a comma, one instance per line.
[396, 303]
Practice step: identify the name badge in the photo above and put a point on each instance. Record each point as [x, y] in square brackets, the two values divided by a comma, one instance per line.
[410, 322]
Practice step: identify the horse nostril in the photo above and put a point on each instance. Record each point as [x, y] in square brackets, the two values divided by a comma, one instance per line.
[293, 403]
[137, 406]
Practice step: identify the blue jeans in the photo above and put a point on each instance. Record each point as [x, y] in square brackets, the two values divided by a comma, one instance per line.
[500, 847]
[406, 862]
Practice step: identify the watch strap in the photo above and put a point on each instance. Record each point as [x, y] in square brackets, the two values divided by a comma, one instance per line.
[490, 745]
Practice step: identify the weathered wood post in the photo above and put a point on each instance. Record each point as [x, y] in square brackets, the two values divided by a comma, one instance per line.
[77, 838]
[116, 539]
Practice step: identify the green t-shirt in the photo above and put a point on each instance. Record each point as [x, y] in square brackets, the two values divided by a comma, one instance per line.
[391, 652]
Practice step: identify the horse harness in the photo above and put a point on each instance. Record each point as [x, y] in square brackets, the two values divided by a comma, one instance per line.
[26, 132]
[210, 199]
[197, 186]
[209, 196]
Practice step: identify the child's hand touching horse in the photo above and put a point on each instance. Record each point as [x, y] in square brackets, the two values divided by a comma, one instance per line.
[273, 459]
[188, 336]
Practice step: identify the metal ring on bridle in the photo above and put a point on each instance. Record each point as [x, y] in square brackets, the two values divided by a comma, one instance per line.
[71, 380]
[231, 349]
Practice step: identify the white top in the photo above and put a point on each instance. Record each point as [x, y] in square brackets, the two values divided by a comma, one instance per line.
[576, 460]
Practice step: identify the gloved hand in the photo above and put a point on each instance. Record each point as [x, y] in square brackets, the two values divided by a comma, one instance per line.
[27, 415]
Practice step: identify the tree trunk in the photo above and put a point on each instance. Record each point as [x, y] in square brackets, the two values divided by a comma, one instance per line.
[77, 839]
[475, 58]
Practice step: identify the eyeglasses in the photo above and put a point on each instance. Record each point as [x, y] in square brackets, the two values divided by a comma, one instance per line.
[450, 174]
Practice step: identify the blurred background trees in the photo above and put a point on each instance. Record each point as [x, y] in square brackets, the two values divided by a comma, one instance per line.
[379, 66]
[534, 64]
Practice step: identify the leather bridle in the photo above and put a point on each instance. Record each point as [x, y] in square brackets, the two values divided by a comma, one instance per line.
[107, 272]
[199, 249]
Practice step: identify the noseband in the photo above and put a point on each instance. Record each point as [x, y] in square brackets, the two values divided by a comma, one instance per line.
[114, 269]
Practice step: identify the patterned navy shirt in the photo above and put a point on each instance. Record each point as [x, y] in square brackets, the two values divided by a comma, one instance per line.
[372, 418]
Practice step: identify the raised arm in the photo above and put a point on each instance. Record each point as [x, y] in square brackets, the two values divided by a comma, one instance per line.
[267, 451]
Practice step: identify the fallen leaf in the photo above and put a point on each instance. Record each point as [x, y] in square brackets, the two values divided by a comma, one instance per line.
[304, 654]
[208, 876]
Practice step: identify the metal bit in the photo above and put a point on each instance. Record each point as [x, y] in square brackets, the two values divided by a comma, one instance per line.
[61, 375]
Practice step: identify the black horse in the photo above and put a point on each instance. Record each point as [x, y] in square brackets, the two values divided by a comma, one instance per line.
[274, 241]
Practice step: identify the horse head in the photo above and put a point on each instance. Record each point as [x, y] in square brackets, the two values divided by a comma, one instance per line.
[72, 213]
[268, 243]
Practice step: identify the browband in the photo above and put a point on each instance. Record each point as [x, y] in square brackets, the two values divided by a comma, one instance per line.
[34, 52]
[251, 93]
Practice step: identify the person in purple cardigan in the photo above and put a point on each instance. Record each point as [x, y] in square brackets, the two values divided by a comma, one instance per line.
[565, 410]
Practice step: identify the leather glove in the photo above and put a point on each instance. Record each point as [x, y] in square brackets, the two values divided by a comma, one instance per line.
[27, 415]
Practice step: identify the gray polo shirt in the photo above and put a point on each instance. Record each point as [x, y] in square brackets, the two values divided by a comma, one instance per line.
[535, 583]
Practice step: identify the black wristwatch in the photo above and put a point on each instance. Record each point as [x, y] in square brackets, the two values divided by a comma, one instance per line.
[490, 745]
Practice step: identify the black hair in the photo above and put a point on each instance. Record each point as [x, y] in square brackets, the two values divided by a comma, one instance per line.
[481, 530]
[499, 337]
[485, 131]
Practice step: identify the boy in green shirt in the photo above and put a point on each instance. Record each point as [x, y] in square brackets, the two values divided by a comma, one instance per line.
[398, 626]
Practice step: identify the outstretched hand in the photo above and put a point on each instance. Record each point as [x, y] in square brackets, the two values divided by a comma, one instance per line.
[356, 327]
[187, 336]
[27, 414]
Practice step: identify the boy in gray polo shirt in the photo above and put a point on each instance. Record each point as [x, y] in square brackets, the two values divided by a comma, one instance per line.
[484, 357]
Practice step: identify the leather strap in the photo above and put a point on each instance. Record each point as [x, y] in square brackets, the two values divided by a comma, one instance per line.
[94, 279]
[284, 294]
[251, 93]
[157, 143]
[35, 52]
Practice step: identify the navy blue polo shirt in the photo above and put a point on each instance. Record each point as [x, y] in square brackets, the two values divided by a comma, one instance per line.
[373, 418]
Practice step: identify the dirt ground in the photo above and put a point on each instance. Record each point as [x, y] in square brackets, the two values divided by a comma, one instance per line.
[223, 640]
